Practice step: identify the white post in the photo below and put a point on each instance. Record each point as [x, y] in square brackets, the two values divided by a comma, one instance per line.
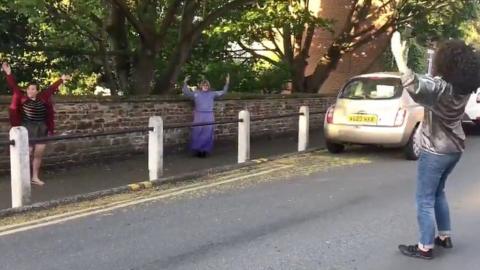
[20, 167]
[155, 148]
[243, 136]
[303, 128]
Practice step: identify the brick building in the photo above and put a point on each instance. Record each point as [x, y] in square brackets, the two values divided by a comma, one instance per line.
[365, 59]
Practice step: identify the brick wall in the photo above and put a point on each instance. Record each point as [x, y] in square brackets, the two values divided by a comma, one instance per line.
[88, 115]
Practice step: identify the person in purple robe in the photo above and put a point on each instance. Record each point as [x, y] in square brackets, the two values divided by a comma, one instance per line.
[203, 136]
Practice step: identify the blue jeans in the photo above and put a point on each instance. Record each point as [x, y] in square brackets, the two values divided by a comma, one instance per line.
[432, 204]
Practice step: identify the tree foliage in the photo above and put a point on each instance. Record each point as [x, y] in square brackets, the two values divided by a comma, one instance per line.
[143, 46]
[279, 32]
[458, 21]
[138, 46]
[285, 29]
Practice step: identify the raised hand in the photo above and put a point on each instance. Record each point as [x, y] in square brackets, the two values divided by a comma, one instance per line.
[187, 78]
[66, 78]
[6, 68]
[400, 51]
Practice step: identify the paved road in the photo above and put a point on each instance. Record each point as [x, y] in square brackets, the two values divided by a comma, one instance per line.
[104, 175]
[313, 211]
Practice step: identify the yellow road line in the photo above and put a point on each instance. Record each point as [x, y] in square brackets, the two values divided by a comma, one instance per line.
[48, 218]
[95, 210]
[75, 212]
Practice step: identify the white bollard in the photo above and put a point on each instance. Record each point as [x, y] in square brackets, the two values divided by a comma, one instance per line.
[155, 148]
[20, 167]
[303, 129]
[243, 136]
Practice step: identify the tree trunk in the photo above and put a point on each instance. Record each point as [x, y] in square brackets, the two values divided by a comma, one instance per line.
[108, 72]
[144, 72]
[169, 77]
[298, 74]
[324, 68]
[179, 57]
[117, 31]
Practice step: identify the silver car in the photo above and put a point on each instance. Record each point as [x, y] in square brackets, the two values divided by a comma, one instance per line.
[374, 109]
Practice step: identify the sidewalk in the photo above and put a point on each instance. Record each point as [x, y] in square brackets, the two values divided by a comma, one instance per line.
[60, 184]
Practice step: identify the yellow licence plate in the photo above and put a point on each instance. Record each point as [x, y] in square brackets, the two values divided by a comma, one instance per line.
[363, 119]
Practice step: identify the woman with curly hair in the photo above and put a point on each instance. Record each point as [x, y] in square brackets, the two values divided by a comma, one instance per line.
[444, 96]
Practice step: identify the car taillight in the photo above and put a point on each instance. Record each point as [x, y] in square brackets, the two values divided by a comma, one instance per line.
[330, 112]
[400, 117]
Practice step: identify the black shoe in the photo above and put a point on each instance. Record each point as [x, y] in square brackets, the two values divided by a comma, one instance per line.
[447, 243]
[415, 252]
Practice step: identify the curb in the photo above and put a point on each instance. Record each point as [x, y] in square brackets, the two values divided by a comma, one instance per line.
[137, 186]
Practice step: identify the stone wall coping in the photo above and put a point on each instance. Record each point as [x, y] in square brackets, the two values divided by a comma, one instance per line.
[5, 99]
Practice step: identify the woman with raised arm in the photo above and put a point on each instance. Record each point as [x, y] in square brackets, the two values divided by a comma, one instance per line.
[203, 136]
[444, 97]
[33, 109]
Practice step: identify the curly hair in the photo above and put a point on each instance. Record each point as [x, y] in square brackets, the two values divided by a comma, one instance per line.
[458, 64]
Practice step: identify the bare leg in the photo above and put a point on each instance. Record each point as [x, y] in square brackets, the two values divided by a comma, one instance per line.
[31, 149]
[36, 163]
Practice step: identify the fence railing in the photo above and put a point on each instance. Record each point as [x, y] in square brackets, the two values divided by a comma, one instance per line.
[91, 135]
[20, 159]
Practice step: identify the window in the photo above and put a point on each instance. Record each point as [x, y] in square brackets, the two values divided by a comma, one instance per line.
[373, 88]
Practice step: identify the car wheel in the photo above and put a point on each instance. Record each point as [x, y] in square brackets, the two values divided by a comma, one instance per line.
[335, 148]
[412, 149]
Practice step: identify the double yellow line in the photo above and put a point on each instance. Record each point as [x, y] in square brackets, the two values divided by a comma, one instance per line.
[60, 218]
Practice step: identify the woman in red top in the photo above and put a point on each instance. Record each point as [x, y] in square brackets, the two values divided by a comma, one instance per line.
[34, 111]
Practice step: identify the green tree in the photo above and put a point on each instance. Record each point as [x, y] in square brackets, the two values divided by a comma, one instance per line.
[214, 57]
[279, 32]
[39, 49]
[471, 29]
[460, 22]
[140, 45]
[285, 29]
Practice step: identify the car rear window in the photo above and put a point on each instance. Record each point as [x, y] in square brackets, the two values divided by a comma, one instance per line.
[372, 88]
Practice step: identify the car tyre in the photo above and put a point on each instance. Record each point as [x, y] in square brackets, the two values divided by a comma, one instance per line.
[335, 148]
[412, 149]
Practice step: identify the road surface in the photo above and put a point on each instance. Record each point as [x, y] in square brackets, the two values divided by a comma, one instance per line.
[311, 211]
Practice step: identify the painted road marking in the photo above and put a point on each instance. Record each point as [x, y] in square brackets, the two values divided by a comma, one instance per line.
[51, 220]
[304, 164]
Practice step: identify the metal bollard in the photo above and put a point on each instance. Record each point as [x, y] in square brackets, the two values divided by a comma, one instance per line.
[243, 136]
[20, 167]
[155, 148]
[303, 128]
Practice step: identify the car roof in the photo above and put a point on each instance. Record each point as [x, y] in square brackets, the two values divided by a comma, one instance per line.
[380, 75]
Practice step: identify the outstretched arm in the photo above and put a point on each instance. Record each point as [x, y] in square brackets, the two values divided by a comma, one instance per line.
[423, 89]
[185, 90]
[11, 82]
[55, 86]
[225, 87]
